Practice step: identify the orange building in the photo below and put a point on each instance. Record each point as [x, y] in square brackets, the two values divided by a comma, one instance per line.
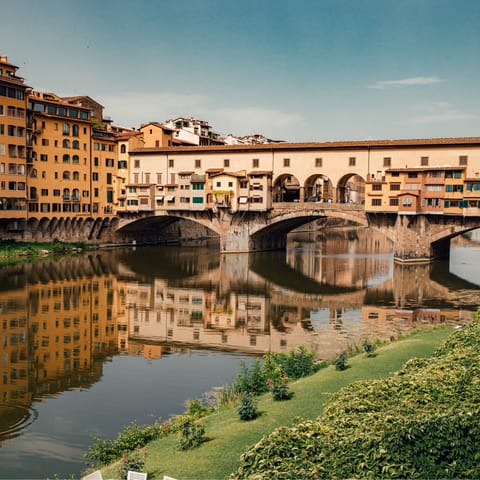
[432, 190]
[59, 170]
[13, 142]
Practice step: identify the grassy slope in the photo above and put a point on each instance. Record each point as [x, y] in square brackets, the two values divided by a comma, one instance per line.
[228, 438]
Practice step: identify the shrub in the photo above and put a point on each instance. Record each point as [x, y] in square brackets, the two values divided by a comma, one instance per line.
[196, 409]
[368, 348]
[247, 408]
[131, 437]
[134, 461]
[251, 379]
[192, 434]
[340, 361]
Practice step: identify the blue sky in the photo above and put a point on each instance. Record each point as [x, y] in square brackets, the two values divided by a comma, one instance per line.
[299, 70]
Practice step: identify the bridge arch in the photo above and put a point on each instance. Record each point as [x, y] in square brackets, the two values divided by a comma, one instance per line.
[318, 188]
[169, 227]
[351, 189]
[273, 235]
[286, 188]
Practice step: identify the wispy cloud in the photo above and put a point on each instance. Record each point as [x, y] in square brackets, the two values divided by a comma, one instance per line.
[405, 82]
[439, 111]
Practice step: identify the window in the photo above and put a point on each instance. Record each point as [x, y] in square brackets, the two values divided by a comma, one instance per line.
[424, 161]
[463, 160]
[394, 186]
[377, 187]
[226, 162]
[435, 174]
[95, 176]
[387, 162]
[198, 186]
[394, 202]
[412, 174]
[76, 145]
[66, 158]
[255, 163]
[407, 202]
[286, 162]
[75, 130]
[198, 163]
[171, 162]
[66, 143]
[352, 161]
[123, 148]
[197, 199]
[66, 129]
[376, 202]
[319, 162]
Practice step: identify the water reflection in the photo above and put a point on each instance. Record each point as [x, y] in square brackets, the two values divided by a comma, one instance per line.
[63, 319]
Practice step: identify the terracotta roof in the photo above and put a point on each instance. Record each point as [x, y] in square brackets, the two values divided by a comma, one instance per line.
[338, 145]
[14, 81]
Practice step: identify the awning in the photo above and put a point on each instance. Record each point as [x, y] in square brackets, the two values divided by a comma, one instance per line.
[159, 198]
[170, 198]
[243, 200]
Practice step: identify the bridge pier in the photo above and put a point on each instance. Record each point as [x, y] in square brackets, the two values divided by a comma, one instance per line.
[414, 240]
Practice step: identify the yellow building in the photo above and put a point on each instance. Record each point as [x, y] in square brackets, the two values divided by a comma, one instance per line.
[59, 171]
[432, 190]
[13, 142]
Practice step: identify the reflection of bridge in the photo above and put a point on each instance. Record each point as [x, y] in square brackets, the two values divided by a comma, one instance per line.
[415, 237]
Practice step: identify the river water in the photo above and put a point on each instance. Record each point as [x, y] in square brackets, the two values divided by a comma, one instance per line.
[91, 343]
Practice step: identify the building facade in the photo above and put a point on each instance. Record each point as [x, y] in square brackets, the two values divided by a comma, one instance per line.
[13, 143]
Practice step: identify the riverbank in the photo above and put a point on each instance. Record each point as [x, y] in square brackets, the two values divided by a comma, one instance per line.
[228, 437]
[17, 252]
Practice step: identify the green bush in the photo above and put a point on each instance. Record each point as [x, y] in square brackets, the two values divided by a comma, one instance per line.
[191, 435]
[131, 461]
[251, 379]
[422, 422]
[131, 437]
[368, 348]
[340, 361]
[196, 409]
[247, 408]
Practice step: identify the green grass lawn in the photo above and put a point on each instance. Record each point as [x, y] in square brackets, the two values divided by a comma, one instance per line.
[228, 437]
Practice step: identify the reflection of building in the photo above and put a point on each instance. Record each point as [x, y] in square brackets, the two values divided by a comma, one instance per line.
[52, 333]
[319, 261]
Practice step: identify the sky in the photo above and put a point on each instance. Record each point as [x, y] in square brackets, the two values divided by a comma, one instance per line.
[293, 70]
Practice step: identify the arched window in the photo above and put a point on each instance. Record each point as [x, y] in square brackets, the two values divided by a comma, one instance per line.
[75, 160]
[123, 149]
[66, 175]
[66, 194]
[66, 158]
[66, 143]
[76, 176]
[76, 145]
[75, 195]
[75, 130]
[66, 129]
[33, 174]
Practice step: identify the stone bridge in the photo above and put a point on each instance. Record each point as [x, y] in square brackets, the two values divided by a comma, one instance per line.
[420, 237]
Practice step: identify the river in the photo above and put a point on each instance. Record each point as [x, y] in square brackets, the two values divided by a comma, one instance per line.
[95, 341]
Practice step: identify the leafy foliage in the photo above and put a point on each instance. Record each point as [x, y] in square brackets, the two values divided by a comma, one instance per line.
[422, 422]
[131, 461]
[247, 408]
[251, 379]
[340, 361]
[132, 436]
[192, 434]
[368, 348]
